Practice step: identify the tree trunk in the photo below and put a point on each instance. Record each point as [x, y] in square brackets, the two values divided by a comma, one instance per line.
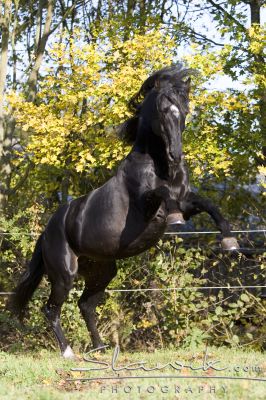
[65, 188]
[3, 68]
[255, 6]
[13, 45]
[128, 17]
[38, 33]
[33, 78]
[143, 15]
[255, 11]
[4, 168]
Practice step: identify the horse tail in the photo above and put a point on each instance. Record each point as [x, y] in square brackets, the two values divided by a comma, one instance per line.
[28, 282]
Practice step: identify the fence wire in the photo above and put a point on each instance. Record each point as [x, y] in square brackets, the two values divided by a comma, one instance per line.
[193, 288]
[166, 233]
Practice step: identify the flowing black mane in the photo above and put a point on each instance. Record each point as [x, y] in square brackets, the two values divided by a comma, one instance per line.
[165, 79]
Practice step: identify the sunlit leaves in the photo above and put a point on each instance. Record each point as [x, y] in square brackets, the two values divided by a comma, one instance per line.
[84, 96]
[86, 89]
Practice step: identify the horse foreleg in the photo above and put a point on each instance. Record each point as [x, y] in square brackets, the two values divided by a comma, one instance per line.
[175, 215]
[152, 200]
[97, 277]
[195, 204]
[87, 304]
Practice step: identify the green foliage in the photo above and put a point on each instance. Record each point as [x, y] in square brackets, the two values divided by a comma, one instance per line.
[155, 319]
[17, 239]
[69, 136]
[187, 317]
[223, 137]
[84, 96]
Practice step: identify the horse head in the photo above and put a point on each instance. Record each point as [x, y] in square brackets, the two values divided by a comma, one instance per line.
[160, 108]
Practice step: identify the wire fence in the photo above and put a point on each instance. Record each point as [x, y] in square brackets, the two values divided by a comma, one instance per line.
[178, 233]
[214, 232]
[193, 288]
[189, 288]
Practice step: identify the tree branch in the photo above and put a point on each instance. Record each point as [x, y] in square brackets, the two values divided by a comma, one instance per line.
[228, 15]
[199, 35]
[11, 191]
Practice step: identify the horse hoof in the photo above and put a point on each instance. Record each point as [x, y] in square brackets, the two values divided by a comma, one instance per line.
[230, 243]
[68, 354]
[175, 218]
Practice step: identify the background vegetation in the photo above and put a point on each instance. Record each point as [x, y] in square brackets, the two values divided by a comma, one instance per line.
[67, 71]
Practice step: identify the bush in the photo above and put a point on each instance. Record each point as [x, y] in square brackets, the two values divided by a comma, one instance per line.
[148, 319]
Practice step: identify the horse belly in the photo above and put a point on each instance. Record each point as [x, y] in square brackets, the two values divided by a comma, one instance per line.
[100, 234]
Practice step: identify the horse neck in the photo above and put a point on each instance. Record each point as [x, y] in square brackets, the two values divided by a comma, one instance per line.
[154, 146]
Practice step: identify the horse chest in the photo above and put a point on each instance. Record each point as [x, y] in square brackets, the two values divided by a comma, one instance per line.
[138, 236]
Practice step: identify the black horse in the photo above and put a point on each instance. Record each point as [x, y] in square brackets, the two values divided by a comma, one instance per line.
[125, 216]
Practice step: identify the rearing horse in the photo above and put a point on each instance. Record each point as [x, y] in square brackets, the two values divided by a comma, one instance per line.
[125, 216]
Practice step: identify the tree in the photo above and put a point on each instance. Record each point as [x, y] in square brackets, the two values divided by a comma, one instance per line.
[83, 99]
[28, 25]
[227, 125]
[5, 23]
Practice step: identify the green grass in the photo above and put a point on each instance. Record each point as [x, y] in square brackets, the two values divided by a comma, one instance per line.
[43, 376]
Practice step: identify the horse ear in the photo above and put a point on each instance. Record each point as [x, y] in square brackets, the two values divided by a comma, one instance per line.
[188, 82]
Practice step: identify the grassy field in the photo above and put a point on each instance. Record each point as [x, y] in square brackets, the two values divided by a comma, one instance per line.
[44, 375]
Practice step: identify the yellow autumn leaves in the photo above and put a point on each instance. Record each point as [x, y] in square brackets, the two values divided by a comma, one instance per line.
[84, 94]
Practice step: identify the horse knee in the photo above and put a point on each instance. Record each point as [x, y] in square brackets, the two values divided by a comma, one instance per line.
[67, 285]
[86, 309]
[87, 304]
[52, 313]
[81, 305]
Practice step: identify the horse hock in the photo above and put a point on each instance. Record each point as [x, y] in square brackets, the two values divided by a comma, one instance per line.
[230, 243]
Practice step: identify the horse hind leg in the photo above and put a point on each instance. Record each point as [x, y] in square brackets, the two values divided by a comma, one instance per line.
[52, 311]
[97, 277]
[61, 274]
